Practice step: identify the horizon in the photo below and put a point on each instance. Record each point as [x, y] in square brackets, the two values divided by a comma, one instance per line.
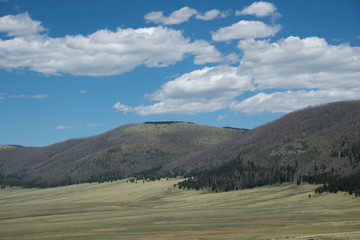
[75, 69]
[175, 121]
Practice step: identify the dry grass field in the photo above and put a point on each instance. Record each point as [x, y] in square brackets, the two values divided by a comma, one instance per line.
[157, 210]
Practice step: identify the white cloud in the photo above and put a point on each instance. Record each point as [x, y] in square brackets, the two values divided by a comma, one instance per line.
[300, 63]
[284, 102]
[122, 108]
[39, 96]
[210, 15]
[20, 25]
[244, 30]
[182, 106]
[204, 52]
[104, 52]
[61, 127]
[205, 90]
[225, 14]
[259, 9]
[183, 15]
[232, 58]
[176, 17]
[2, 95]
[289, 74]
[206, 83]
[324, 73]
[83, 91]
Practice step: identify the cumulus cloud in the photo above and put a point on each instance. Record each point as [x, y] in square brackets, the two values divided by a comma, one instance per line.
[122, 108]
[300, 63]
[324, 72]
[20, 25]
[212, 14]
[232, 58]
[205, 90]
[204, 52]
[176, 17]
[103, 52]
[259, 9]
[286, 75]
[244, 30]
[183, 15]
[206, 83]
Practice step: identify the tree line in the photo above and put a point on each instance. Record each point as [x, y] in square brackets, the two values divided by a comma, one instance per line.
[334, 183]
[236, 175]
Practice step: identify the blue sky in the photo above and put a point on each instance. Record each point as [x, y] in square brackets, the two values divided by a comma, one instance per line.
[71, 69]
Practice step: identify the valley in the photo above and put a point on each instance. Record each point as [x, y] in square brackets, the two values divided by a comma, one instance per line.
[107, 186]
[157, 210]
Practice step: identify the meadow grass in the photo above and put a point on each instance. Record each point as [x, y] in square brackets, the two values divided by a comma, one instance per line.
[157, 210]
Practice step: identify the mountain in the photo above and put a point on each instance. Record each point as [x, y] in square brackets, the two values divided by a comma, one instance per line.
[119, 153]
[299, 146]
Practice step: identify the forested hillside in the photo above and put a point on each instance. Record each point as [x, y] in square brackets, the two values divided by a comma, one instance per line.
[297, 147]
[310, 145]
[119, 153]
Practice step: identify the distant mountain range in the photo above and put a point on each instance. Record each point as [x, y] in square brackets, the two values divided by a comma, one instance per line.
[306, 142]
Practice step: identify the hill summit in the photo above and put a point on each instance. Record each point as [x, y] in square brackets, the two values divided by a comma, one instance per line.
[118, 153]
[312, 144]
[302, 144]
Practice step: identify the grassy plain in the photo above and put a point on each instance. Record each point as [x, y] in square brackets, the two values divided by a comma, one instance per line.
[157, 210]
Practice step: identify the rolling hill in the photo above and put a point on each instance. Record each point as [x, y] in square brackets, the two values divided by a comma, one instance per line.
[119, 153]
[309, 142]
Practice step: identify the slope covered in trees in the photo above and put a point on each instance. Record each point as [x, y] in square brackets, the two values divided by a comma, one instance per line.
[299, 146]
[119, 153]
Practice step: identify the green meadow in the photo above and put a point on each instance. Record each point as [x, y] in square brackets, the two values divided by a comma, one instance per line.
[157, 210]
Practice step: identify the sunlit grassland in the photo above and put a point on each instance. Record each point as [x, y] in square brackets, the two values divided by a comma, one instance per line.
[198, 135]
[157, 210]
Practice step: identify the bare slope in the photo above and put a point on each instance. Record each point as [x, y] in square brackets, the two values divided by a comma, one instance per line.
[115, 154]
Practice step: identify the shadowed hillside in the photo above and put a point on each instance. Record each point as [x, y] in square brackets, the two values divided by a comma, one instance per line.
[116, 154]
[307, 142]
